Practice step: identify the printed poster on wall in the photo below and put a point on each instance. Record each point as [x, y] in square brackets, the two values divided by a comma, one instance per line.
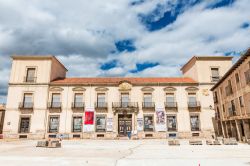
[109, 124]
[139, 124]
[89, 120]
[160, 119]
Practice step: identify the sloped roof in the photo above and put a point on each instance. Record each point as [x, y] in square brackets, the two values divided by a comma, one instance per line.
[231, 70]
[117, 80]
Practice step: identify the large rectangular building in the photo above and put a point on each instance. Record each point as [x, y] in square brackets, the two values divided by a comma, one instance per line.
[42, 102]
[232, 101]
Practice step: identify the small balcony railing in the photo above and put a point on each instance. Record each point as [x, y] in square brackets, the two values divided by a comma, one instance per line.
[54, 105]
[26, 105]
[78, 105]
[30, 79]
[170, 104]
[215, 78]
[148, 105]
[232, 112]
[125, 105]
[195, 105]
[101, 105]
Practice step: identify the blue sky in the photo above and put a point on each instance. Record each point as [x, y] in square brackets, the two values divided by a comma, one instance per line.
[144, 38]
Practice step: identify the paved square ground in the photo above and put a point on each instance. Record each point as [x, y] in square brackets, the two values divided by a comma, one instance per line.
[122, 153]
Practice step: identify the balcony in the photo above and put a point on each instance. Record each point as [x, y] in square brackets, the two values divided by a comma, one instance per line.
[231, 112]
[194, 106]
[29, 79]
[171, 106]
[55, 107]
[215, 78]
[101, 106]
[26, 107]
[148, 105]
[77, 106]
[125, 107]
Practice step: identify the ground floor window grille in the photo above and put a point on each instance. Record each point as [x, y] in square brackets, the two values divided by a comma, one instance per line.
[24, 125]
[148, 123]
[77, 124]
[100, 123]
[195, 123]
[53, 124]
[171, 123]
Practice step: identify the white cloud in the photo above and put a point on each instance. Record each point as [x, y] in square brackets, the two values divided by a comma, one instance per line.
[82, 33]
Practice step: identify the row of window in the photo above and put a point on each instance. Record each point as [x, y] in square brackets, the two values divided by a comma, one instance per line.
[229, 88]
[231, 109]
[101, 99]
[77, 124]
[31, 73]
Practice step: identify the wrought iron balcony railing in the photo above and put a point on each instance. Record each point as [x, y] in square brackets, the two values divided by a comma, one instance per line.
[170, 104]
[148, 105]
[125, 105]
[77, 105]
[194, 104]
[26, 105]
[215, 78]
[54, 105]
[101, 105]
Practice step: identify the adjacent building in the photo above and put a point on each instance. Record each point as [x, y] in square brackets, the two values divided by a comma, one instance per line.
[42, 102]
[2, 111]
[232, 101]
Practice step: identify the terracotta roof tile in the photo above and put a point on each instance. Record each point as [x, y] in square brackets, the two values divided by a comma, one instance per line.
[117, 80]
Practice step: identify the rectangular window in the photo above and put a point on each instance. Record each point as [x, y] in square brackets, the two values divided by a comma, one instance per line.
[30, 76]
[147, 100]
[77, 124]
[53, 124]
[100, 123]
[237, 78]
[125, 99]
[78, 101]
[101, 100]
[171, 123]
[215, 74]
[170, 99]
[241, 101]
[27, 100]
[195, 123]
[148, 123]
[24, 125]
[56, 100]
[192, 102]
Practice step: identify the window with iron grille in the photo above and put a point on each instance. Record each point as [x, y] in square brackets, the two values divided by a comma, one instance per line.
[24, 125]
[171, 123]
[53, 124]
[195, 123]
[77, 124]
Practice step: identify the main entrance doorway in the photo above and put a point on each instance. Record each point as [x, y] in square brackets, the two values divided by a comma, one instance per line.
[124, 124]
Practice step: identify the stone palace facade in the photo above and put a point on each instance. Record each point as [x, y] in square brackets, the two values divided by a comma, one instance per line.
[42, 102]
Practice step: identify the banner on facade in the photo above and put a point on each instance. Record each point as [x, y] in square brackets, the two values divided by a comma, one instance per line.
[160, 120]
[139, 124]
[109, 124]
[89, 118]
